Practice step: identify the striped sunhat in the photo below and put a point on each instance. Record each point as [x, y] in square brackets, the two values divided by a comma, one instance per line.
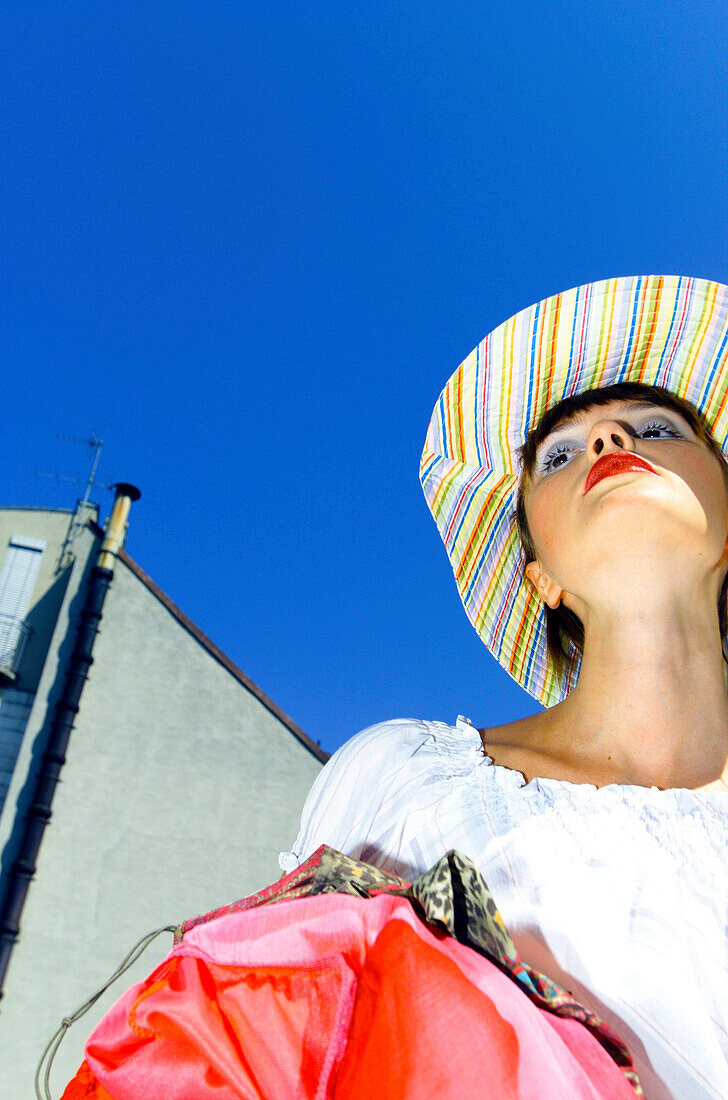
[669, 331]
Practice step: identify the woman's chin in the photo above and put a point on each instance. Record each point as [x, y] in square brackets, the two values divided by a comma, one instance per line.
[651, 519]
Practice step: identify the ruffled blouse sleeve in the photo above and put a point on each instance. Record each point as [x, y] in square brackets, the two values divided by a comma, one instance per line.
[360, 800]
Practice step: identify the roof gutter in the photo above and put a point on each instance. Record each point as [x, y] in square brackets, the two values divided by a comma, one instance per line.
[54, 757]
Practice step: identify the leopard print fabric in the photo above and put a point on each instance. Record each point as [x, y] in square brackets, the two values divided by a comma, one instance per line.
[337, 873]
[454, 895]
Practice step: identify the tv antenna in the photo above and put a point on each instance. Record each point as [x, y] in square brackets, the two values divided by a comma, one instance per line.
[78, 518]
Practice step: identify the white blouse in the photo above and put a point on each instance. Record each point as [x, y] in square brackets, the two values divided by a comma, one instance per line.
[619, 893]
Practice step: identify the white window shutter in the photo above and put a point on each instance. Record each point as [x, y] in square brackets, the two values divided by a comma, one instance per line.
[18, 575]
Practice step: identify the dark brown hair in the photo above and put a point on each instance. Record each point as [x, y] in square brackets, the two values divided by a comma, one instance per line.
[564, 629]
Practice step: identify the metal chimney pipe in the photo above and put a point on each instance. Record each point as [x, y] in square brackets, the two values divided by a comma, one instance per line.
[117, 524]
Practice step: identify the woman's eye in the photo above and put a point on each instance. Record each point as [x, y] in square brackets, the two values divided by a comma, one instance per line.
[559, 455]
[659, 429]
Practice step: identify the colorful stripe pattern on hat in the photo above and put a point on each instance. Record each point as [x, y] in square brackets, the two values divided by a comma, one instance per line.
[670, 331]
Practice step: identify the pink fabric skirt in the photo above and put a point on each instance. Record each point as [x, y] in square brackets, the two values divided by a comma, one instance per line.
[341, 997]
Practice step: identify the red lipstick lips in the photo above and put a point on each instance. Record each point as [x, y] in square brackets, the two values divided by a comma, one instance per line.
[616, 462]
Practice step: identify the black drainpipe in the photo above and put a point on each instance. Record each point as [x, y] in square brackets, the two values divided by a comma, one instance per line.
[39, 814]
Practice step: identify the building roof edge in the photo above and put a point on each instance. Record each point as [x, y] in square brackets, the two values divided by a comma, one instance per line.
[216, 652]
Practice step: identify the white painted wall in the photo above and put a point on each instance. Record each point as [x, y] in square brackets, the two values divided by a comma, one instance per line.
[14, 713]
[179, 790]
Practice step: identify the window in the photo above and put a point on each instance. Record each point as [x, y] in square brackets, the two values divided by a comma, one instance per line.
[17, 581]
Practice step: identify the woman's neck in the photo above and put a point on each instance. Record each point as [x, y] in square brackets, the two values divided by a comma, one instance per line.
[650, 707]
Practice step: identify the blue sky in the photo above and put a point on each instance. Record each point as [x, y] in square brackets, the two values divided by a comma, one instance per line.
[248, 243]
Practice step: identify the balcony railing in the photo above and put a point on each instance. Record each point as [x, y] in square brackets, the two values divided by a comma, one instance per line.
[14, 634]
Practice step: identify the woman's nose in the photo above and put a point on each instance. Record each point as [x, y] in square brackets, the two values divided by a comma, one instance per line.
[606, 436]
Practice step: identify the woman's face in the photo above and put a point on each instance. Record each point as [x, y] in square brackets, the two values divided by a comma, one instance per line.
[618, 492]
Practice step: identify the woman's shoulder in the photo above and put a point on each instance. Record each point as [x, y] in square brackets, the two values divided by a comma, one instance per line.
[386, 746]
[399, 750]
[377, 777]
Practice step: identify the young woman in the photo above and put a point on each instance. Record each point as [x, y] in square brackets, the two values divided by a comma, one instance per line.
[574, 468]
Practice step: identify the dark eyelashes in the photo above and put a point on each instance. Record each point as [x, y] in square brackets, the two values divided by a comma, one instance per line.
[656, 425]
[546, 464]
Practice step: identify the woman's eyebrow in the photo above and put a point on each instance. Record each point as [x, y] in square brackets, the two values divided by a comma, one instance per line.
[563, 428]
[671, 414]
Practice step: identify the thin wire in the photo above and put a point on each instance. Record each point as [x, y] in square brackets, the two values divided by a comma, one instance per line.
[52, 1048]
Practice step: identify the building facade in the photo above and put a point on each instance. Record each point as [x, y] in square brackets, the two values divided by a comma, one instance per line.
[180, 784]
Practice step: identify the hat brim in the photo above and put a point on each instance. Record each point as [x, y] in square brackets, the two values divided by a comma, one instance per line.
[669, 331]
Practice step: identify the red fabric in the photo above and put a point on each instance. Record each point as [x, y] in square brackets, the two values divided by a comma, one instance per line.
[418, 1016]
[420, 1029]
[375, 1005]
[84, 1086]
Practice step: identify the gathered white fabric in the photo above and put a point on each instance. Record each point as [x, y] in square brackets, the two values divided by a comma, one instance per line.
[619, 893]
